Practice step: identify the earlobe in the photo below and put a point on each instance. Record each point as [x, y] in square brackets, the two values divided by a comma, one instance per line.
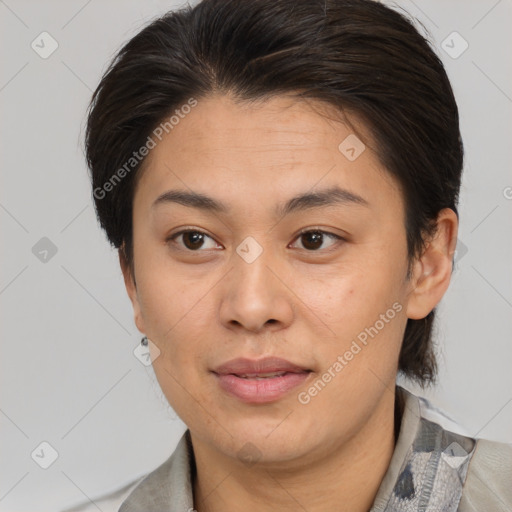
[131, 289]
[431, 272]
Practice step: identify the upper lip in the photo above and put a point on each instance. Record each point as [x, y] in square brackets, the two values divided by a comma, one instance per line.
[243, 366]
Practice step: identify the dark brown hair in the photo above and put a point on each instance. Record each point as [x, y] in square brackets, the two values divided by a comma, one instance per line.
[356, 56]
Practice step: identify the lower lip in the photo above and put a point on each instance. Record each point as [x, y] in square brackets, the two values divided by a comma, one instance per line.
[263, 390]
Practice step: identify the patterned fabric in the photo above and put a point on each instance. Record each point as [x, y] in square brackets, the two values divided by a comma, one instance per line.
[433, 473]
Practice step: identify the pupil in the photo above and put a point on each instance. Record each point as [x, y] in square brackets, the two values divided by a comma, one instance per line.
[193, 239]
[316, 239]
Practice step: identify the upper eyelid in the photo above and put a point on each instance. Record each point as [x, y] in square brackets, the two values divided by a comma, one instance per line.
[188, 230]
[323, 231]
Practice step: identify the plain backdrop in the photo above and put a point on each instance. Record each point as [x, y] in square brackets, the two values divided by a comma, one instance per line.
[69, 376]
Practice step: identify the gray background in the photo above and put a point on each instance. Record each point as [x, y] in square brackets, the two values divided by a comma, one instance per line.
[68, 372]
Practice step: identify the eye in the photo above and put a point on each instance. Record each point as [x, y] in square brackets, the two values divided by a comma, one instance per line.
[313, 239]
[193, 239]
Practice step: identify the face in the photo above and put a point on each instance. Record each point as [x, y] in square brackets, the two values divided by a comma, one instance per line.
[304, 258]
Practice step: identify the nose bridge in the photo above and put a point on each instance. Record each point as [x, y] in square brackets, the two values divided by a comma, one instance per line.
[254, 295]
[251, 261]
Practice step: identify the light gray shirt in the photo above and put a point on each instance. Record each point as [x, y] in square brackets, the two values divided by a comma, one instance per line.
[432, 469]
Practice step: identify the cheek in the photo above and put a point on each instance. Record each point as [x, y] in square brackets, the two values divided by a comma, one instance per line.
[365, 311]
[362, 312]
[177, 317]
[350, 298]
[178, 320]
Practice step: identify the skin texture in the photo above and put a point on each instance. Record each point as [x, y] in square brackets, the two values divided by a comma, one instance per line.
[202, 308]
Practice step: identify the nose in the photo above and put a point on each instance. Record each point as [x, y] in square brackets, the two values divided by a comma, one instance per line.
[256, 295]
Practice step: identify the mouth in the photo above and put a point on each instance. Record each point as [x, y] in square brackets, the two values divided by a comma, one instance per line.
[260, 381]
[260, 376]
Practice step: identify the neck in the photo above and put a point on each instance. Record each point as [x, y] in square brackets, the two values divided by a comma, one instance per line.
[345, 478]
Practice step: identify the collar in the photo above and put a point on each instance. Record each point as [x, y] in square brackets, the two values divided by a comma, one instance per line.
[426, 472]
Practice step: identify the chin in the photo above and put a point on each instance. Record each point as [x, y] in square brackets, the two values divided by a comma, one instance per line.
[270, 441]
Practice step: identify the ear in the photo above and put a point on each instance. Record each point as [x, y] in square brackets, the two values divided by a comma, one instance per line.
[131, 289]
[431, 272]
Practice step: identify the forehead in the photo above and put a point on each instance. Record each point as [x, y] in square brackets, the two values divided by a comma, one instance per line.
[256, 150]
[275, 125]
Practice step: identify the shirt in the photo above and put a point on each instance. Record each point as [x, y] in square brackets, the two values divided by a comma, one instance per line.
[431, 469]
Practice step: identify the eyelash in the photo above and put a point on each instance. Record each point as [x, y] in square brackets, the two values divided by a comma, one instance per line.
[337, 238]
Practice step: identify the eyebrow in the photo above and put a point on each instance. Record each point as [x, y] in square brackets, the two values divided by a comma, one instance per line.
[321, 198]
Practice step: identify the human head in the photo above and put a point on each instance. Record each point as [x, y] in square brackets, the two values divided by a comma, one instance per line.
[359, 57]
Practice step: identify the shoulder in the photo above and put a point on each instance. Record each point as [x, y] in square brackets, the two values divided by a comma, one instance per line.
[482, 468]
[108, 502]
[489, 477]
[168, 484]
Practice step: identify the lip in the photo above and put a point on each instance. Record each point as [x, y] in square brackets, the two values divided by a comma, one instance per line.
[260, 390]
